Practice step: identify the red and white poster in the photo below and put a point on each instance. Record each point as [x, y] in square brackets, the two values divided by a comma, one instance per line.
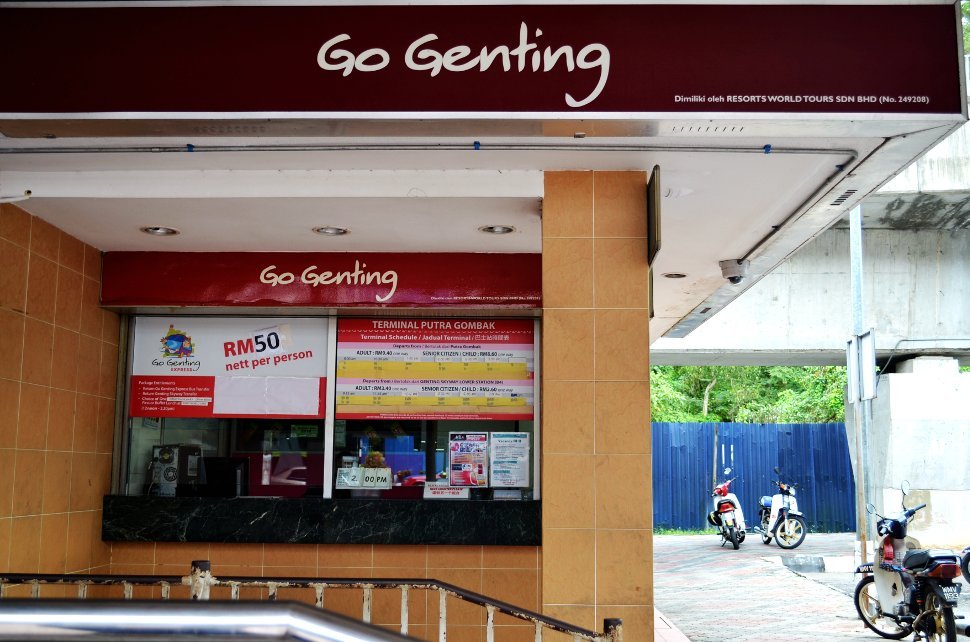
[435, 369]
[468, 459]
[238, 367]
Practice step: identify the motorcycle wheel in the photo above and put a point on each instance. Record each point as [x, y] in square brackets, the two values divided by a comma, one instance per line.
[867, 606]
[733, 536]
[791, 532]
[965, 566]
[765, 531]
[940, 626]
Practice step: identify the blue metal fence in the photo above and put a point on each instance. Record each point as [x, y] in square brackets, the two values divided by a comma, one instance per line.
[814, 456]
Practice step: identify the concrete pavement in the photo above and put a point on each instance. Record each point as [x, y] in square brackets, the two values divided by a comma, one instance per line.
[706, 592]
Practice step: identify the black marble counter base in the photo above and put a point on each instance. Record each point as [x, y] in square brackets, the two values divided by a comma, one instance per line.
[271, 520]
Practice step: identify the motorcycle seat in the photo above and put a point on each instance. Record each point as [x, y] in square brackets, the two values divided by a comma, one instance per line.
[919, 559]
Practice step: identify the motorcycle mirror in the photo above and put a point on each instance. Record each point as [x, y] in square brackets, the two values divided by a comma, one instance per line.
[870, 509]
[904, 486]
[777, 470]
[727, 471]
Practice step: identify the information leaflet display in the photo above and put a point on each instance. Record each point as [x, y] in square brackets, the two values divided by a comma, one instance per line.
[468, 459]
[435, 369]
[238, 367]
[508, 457]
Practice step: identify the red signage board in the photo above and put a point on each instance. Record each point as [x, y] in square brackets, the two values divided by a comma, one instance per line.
[889, 58]
[363, 279]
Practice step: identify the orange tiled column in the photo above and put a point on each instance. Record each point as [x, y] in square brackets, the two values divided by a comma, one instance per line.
[58, 375]
[597, 546]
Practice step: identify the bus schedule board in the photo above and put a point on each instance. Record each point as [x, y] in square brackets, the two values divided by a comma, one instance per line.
[435, 369]
[236, 367]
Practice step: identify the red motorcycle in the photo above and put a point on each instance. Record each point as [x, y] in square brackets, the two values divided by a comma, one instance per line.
[727, 515]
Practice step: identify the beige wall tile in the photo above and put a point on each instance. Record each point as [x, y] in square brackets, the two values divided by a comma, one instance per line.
[515, 586]
[621, 491]
[356, 556]
[620, 203]
[567, 272]
[9, 411]
[637, 620]
[44, 238]
[80, 552]
[290, 555]
[41, 288]
[622, 417]
[394, 556]
[106, 424]
[180, 554]
[567, 416]
[567, 204]
[621, 273]
[8, 460]
[584, 616]
[248, 556]
[510, 557]
[624, 567]
[454, 557]
[34, 412]
[111, 327]
[567, 491]
[28, 485]
[89, 369]
[57, 482]
[571, 578]
[25, 544]
[67, 308]
[127, 554]
[14, 225]
[70, 252]
[567, 345]
[13, 276]
[86, 424]
[109, 369]
[60, 425]
[67, 355]
[92, 263]
[11, 344]
[38, 352]
[92, 316]
[86, 482]
[622, 345]
[53, 543]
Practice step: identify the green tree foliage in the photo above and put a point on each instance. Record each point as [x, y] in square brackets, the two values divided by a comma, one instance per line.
[748, 394]
[965, 10]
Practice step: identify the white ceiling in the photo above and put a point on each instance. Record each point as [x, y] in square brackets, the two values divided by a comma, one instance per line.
[724, 197]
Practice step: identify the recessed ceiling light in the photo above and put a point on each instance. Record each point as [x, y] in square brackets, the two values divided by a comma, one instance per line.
[158, 230]
[496, 229]
[674, 275]
[331, 230]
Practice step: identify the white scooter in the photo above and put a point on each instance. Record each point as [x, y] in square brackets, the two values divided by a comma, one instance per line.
[780, 518]
[727, 515]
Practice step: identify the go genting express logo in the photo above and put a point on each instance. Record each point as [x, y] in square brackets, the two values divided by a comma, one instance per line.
[312, 275]
[423, 55]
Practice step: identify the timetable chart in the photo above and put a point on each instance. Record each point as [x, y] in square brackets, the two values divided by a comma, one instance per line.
[435, 369]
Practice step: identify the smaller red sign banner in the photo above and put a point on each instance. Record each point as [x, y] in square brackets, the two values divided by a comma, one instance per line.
[367, 279]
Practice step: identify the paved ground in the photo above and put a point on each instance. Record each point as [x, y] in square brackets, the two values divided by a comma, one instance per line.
[712, 594]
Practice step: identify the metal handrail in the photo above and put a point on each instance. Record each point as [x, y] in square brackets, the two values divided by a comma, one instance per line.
[112, 621]
[200, 582]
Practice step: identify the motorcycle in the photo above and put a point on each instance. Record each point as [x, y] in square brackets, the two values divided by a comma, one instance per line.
[965, 564]
[727, 515]
[905, 591]
[780, 518]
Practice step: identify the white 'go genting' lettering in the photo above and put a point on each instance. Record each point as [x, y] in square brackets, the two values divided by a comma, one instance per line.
[421, 55]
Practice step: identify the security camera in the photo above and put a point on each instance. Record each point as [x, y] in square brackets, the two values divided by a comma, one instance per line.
[734, 270]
